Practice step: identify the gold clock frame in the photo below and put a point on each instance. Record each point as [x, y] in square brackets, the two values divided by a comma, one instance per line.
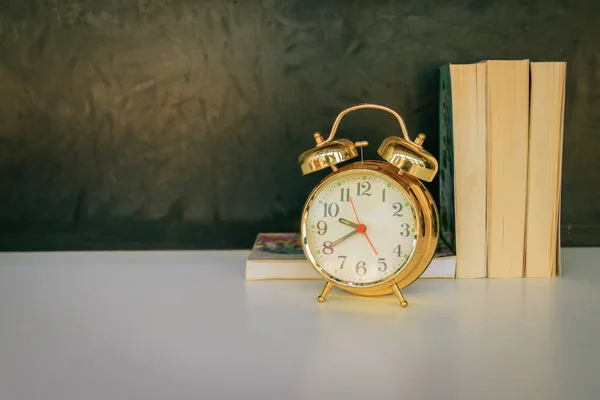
[406, 165]
[427, 231]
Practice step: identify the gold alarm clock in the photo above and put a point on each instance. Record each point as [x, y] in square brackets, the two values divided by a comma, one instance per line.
[370, 227]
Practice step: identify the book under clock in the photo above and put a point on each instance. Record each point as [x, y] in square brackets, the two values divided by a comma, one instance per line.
[279, 256]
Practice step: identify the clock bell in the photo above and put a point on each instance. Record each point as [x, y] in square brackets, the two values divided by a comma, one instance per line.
[403, 153]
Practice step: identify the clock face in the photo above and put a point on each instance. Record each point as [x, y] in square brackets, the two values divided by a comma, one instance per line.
[360, 227]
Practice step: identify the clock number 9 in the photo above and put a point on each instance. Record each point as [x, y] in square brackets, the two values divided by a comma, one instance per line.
[361, 270]
[322, 227]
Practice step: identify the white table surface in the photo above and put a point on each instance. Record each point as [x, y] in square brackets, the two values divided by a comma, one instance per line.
[185, 325]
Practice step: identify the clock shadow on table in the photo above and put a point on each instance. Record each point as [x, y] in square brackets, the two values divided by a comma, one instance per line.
[301, 295]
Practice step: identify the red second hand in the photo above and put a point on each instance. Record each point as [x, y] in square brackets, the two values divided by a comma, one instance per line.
[361, 228]
[354, 209]
[373, 247]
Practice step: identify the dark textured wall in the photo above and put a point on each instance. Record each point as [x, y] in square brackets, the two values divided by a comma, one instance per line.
[177, 124]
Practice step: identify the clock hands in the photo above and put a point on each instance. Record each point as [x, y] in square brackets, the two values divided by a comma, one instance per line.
[369, 240]
[354, 209]
[340, 240]
[361, 228]
[358, 228]
[349, 223]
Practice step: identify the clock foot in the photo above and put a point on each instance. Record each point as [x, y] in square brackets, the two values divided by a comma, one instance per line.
[398, 294]
[325, 292]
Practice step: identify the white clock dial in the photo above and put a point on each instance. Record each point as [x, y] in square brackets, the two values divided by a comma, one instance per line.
[360, 227]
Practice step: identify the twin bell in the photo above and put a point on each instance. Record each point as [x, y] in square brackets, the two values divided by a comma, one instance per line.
[406, 155]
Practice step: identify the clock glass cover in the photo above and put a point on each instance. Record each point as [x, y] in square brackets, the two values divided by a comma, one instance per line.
[360, 227]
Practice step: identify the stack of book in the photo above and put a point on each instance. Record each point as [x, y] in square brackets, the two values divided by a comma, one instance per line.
[501, 134]
[280, 256]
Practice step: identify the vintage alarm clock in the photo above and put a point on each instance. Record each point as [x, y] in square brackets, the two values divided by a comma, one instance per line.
[370, 227]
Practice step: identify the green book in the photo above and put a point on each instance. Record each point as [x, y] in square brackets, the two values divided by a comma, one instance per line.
[446, 161]
[463, 165]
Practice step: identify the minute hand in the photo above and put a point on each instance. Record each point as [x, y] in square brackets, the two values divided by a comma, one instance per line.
[343, 238]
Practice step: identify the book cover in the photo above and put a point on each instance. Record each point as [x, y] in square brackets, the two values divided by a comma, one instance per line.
[546, 128]
[446, 161]
[280, 256]
[279, 247]
[463, 148]
[508, 88]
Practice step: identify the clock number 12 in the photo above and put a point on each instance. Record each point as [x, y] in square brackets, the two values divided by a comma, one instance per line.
[363, 188]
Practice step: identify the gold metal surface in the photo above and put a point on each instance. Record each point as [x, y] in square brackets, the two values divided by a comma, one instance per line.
[362, 107]
[420, 139]
[325, 292]
[409, 157]
[398, 293]
[326, 155]
[427, 230]
[329, 152]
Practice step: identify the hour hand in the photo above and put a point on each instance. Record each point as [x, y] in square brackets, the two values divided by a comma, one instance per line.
[349, 223]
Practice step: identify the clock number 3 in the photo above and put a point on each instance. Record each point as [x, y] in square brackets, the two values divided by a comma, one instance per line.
[405, 232]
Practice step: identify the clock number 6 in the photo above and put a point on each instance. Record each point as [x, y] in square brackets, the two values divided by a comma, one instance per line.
[361, 270]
